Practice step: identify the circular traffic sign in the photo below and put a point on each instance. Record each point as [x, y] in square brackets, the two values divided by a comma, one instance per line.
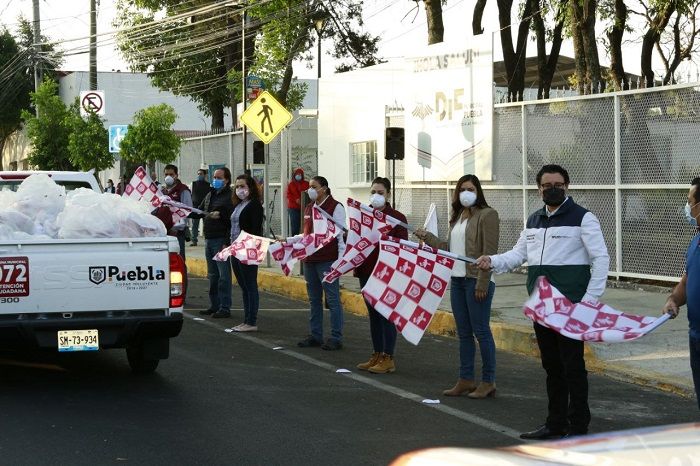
[92, 102]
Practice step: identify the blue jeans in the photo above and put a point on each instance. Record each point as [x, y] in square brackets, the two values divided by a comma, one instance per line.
[294, 221]
[219, 275]
[695, 365]
[472, 320]
[195, 230]
[247, 278]
[181, 242]
[382, 331]
[313, 274]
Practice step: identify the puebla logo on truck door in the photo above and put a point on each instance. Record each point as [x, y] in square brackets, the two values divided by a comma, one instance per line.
[97, 274]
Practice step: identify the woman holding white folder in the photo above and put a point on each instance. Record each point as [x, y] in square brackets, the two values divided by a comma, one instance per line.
[474, 230]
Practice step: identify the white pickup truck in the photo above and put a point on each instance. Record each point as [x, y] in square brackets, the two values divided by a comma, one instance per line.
[83, 295]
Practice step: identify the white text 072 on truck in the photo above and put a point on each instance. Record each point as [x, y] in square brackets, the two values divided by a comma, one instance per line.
[81, 295]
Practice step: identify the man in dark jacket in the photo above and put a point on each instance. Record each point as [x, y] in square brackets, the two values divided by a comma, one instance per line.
[200, 188]
[218, 206]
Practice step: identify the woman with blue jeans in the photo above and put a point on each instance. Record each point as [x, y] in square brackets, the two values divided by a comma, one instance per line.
[247, 216]
[474, 230]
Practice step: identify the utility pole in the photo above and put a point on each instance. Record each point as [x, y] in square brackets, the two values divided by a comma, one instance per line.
[243, 93]
[36, 38]
[93, 45]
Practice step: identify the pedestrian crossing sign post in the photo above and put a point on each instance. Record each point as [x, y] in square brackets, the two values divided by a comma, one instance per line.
[266, 117]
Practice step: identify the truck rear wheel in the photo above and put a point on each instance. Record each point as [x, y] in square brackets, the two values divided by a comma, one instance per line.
[138, 362]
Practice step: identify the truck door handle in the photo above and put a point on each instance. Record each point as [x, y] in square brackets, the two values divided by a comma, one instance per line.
[156, 248]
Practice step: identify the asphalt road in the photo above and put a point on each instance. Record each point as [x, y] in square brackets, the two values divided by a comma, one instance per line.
[225, 398]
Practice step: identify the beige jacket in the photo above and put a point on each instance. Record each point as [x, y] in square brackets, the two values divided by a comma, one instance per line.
[481, 239]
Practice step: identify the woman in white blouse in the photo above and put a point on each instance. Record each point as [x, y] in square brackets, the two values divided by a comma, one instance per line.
[474, 230]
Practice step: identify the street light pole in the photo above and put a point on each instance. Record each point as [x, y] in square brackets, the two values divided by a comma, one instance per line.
[319, 24]
[243, 91]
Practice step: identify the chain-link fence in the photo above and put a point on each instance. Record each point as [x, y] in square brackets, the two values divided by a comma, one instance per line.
[631, 156]
[227, 149]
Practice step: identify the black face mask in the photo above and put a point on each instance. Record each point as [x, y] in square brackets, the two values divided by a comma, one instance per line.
[554, 196]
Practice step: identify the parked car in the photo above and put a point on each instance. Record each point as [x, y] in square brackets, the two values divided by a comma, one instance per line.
[70, 180]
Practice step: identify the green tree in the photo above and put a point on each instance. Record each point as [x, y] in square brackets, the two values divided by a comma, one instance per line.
[150, 137]
[194, 49]
[189, 52]
[88, 144]
[49, 131]
[15, 85]
[17, 75]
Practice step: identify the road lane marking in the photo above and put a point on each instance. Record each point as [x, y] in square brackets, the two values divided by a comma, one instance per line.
[471, 418]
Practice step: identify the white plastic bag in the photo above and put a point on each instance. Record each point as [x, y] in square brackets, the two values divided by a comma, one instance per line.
[88, 214]
[39, 198]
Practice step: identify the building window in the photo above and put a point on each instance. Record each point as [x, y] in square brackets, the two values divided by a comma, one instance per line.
[363, 156]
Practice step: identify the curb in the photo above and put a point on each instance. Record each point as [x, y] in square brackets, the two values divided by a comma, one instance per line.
[508, 337]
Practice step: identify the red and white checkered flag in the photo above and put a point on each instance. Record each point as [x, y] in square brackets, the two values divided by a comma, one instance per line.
[407, 285]
[247, 248]
[142, 186]
[595, 322]
[366, 228]
[295, 248]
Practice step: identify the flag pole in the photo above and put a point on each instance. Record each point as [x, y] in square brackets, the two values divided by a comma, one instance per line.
[371, 210]
[330, 217]
[451, 255]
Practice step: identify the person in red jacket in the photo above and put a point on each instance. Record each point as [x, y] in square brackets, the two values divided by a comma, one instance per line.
[295, 188]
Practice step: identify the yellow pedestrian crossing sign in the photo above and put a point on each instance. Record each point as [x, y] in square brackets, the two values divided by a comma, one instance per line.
[266, 117]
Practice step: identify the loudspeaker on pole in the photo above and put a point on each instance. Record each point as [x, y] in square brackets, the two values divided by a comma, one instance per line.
[394, 139]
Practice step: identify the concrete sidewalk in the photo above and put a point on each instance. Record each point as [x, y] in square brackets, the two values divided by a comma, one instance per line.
[659, 360]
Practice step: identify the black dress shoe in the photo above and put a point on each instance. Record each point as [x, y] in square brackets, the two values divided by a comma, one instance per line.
[221, 315]
[575, 433]
[543, 433]
[308, 342]
[207, 312]
[332, 345]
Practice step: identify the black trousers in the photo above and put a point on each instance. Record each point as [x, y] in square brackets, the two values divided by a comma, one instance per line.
[567, 381]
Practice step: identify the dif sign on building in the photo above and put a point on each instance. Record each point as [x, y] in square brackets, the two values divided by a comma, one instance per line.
[449, 111]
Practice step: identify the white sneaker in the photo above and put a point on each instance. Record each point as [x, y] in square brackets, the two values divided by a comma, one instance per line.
[237, 327]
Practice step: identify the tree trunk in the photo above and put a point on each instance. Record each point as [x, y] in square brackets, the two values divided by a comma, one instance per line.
[590, 44]
[579, 50]
[2, 146]
[289, 70]
[518, 81]
[656, 27]
[433, 13]
[478, 14]
[514, 59]
[546, 66]
[217, 116]
[617, 69]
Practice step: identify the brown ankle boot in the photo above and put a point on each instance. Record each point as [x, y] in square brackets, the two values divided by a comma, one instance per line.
[372, 361]
[484, 390]
[461, 387]
[384, 365]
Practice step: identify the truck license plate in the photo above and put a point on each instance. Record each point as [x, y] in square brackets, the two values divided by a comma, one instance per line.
[78, 340]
